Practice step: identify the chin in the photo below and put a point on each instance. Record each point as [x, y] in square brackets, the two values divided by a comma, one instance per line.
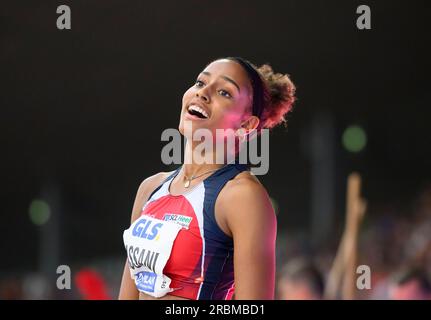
[181, 129]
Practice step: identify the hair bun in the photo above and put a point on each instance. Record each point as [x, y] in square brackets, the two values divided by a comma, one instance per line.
[281, 97]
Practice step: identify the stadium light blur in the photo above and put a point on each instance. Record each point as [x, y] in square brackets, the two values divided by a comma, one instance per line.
[39, 212]
[354, 139]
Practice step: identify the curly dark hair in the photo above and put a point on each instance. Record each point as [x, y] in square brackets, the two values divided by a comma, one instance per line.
[273, 93]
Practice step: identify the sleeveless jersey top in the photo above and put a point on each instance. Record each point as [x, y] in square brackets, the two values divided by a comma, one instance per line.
[200, 263]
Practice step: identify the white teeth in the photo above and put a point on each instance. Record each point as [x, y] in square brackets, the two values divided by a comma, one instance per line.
[198, 109]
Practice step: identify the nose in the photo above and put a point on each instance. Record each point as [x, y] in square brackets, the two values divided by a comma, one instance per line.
[201, 94]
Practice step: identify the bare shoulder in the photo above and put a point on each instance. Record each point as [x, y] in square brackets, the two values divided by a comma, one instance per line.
[149, 184]
[244, 200]
[244, 186]
[145, 189]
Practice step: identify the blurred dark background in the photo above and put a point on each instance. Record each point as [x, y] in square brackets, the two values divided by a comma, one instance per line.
[82, 111]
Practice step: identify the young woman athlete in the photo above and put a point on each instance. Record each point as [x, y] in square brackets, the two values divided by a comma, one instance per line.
[208, 230]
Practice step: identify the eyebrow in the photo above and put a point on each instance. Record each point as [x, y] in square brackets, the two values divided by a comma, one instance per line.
[226, 78]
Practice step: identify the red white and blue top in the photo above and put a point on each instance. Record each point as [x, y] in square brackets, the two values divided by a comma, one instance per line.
[200, 264]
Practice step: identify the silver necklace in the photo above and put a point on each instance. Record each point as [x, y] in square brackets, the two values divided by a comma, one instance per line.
[188, 180]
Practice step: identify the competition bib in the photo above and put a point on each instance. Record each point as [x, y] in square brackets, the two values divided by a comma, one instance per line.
[149, 243]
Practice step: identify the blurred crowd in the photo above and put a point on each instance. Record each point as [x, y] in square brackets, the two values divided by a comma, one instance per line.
[394, 243]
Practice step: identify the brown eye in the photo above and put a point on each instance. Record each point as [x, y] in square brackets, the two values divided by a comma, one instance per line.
[224, 93]
[199, 83]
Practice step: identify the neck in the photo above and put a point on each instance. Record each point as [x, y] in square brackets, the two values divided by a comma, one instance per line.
[198, 161]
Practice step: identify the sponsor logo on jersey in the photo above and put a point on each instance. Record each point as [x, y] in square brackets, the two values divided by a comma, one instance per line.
[146, 229]
[178, 218]
[145, 281]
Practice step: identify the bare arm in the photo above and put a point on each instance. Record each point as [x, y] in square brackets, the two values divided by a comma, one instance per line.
[128, 289]
[355, 212]
[252, 222]
[341, 279]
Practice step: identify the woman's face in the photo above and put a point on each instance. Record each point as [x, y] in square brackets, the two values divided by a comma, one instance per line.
[219, 99]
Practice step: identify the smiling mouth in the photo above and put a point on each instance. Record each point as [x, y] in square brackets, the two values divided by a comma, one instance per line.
[197, 111]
